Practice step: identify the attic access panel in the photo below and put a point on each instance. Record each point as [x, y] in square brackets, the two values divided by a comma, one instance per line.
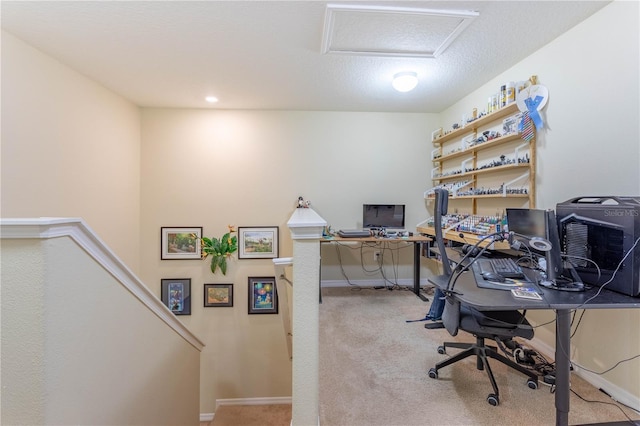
[391, 31]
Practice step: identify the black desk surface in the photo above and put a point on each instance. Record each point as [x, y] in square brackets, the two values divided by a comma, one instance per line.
[488, 299]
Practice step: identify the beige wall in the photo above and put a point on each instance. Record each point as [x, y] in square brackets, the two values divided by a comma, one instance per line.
[70, 354]
[247, 168]
[70, 148]
[590, 147]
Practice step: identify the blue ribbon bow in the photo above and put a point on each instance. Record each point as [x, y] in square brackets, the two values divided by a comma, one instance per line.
[532, 106]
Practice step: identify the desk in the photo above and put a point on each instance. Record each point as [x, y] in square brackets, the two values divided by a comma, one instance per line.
[562, 302]
[416, 240]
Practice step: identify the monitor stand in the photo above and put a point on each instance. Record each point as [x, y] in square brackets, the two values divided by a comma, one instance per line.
[562, 283]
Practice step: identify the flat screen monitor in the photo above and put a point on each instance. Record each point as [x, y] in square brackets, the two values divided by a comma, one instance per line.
[536, 227]
[527, 223]
[539, 230]
[383, 216]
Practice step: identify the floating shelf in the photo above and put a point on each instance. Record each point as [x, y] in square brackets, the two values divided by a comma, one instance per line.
[476, 124]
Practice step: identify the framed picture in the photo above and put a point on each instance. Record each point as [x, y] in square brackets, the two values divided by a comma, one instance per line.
[263, 298]
[176, 295]
[218, 295]
[180, 243]
[258, 242]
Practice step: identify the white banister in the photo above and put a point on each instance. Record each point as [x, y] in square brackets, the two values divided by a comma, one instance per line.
[283, 284]
[84, 336]
[306, 228]
[88, 240]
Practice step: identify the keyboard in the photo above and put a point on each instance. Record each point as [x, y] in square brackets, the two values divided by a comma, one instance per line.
[353, 233]
[506, 267]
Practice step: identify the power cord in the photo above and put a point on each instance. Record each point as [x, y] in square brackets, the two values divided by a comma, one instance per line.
[529, 359]
[569, 257]
[608, 369]
[609, 403]
[389, 284]
[613, 274]
[344, 273]
[575, 330]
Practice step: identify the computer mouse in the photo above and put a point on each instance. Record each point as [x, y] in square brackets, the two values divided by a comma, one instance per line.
[493, 276]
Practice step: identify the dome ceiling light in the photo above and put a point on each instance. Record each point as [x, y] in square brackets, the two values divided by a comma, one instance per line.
[405, 81]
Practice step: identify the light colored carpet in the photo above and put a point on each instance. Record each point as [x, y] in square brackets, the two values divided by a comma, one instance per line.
[373, 371]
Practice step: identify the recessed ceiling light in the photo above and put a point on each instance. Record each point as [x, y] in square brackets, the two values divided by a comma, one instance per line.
[211, 99]
[405, 81]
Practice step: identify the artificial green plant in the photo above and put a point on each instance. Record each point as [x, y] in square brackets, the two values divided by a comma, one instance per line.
[220, 249]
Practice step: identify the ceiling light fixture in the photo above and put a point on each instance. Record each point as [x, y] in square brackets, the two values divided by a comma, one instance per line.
[211, 99]
[405, 81]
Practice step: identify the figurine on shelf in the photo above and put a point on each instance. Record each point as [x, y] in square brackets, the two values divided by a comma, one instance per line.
[302, 204]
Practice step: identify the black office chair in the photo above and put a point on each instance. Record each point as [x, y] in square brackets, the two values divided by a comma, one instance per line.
[501, 326]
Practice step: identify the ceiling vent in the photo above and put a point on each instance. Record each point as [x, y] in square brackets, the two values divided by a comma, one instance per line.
[391, 31]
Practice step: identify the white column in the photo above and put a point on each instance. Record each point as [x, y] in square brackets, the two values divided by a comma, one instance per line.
[306, 230]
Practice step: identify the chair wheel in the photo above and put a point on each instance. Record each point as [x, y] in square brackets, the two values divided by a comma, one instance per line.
[433, 373]
[492, 399]
[532, 384]
[442, 350]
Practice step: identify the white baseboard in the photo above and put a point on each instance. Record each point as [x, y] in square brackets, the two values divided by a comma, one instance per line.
[596, 380]
[254, 401]
[206, 417]
[405, 282]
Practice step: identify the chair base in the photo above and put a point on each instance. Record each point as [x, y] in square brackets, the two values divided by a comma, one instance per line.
[434, 325]
[483, 352]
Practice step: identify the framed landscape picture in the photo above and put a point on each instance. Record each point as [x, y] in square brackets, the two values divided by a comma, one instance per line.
[180, 242]
[176, 295]
[258, 242]
[218, 295]
[263, 297]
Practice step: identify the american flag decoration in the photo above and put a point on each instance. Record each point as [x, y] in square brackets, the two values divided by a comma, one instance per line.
[526, 127]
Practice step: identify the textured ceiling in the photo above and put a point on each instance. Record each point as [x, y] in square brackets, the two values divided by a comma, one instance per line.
[391, 31]
[269, 54]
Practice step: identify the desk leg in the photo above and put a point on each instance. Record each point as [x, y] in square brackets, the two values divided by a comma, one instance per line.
[416, 271]
[320, 279]
[563, 348]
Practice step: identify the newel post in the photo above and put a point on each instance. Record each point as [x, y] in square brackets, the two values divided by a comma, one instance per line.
[306, 231]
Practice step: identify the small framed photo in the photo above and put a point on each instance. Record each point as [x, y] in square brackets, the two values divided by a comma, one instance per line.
[258, 242]
[180, 243]
[176, 295]
[263, 298]
[218, 295]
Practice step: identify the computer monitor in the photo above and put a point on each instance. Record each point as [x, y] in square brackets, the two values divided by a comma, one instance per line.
[383, 216]
[539, 230]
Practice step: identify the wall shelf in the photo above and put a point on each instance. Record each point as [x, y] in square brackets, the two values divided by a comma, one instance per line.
[481, 171]
[478, 147]
[467, 239]
[476, 124]
[503, 166]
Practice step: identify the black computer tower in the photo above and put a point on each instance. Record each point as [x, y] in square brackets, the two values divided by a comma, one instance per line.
[602, 230]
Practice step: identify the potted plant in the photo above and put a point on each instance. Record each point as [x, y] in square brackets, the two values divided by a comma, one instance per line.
[220, 249]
